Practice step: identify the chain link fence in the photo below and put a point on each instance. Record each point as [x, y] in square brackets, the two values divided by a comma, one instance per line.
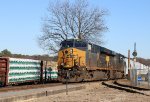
[140, 77]
[137, 73]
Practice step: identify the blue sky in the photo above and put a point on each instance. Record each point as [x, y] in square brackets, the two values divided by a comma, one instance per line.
[128, 22]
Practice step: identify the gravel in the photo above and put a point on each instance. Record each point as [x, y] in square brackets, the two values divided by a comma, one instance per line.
[94, 92]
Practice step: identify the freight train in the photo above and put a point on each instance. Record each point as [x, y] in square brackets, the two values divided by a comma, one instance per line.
[79, 61]
[16, 71]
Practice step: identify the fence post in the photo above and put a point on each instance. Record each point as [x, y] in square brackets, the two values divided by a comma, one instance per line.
[148, 77]
[136, 77]
[135, 73]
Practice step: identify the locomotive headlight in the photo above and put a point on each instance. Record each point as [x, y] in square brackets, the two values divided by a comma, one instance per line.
[71, 50]
[62, 64]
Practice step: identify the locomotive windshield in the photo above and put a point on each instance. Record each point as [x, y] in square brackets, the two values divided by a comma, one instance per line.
[73, 43]
[66, 44]
[80, 44]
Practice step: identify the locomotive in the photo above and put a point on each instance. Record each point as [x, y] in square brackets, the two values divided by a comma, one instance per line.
[79, 61]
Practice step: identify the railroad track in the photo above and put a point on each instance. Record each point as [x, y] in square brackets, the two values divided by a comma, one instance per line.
[24, 87]
[34, 86]
[110, 83]
[127, 88]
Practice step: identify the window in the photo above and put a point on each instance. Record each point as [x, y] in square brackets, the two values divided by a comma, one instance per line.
[89, 47]
[80, 44]
[66, 44]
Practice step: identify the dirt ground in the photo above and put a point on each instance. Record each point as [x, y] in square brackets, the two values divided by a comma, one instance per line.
[94, 92]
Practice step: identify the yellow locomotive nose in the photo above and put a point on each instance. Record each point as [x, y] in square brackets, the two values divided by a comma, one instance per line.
[68, 60]
[70, 57]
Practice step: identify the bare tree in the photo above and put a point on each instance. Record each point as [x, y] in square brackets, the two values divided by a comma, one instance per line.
[72, 20]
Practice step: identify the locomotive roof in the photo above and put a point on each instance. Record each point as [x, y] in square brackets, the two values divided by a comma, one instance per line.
[102, 49]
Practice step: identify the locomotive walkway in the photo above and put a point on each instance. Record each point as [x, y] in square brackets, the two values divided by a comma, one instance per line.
[13, 96]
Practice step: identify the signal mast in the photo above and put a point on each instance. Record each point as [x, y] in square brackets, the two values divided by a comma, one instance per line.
[134, 52]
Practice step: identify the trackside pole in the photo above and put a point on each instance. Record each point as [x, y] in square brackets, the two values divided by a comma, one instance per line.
[67, 77]
[134, 61]
[129, 70]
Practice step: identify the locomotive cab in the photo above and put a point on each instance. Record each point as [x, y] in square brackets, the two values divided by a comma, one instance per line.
[71, 58]
[72, 53]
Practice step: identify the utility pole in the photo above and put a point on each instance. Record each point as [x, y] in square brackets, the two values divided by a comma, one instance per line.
[129, 59]
[129, 69]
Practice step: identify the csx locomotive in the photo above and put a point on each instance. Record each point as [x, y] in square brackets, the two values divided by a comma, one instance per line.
[79, 60]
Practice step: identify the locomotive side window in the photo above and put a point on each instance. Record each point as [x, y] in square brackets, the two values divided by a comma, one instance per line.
[89, 47]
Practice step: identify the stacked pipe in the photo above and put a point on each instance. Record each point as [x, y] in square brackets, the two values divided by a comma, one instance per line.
[21, 70]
